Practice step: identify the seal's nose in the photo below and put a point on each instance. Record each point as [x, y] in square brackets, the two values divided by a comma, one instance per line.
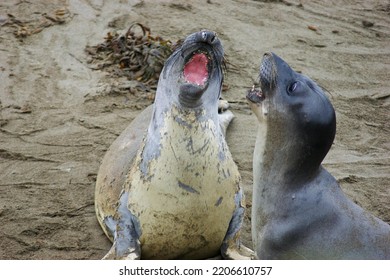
[267, 70]
[208, 36]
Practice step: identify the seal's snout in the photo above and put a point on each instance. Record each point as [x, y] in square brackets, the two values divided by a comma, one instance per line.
[208, 37]
[267, 71]
[204, 37]
[267, 78]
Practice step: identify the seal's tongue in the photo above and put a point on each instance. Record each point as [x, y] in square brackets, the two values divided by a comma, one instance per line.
[195, 71]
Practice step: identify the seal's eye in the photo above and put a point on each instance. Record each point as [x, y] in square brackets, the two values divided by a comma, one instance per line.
[293, 88]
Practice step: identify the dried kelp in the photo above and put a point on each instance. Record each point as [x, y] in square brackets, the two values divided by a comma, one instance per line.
[137, 54]
[37, 22]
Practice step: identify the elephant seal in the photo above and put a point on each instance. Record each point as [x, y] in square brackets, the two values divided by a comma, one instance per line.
[299, 210]
[168, 187]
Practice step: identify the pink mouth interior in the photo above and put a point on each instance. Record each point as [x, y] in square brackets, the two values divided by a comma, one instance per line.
[195, 71]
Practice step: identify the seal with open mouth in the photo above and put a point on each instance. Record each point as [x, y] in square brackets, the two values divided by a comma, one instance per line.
[299, 211]
[168, 187]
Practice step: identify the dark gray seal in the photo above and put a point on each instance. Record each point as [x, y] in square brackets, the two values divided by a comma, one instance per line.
[298, 208]
[168, 187]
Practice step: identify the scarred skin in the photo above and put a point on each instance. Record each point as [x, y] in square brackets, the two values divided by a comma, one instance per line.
[299, 210]
[168, 187]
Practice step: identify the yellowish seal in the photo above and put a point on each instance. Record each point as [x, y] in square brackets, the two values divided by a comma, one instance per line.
[168, 187]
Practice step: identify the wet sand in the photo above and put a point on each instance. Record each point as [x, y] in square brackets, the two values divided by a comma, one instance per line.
[58, 116]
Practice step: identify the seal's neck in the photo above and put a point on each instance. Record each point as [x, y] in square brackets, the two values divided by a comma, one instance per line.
[282, 159]
[183, 125]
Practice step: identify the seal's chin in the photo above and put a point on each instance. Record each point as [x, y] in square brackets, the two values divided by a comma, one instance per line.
[255, 99]
[255, 95]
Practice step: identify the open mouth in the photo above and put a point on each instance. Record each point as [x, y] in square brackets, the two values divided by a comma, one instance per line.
[196, 70]
[266, 77]
[255, 95]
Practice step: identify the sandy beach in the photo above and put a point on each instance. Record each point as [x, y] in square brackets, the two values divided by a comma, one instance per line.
[59, 115]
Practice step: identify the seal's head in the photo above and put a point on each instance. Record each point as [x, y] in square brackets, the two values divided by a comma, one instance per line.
[192, 76]
[187, 93]
[300, 120]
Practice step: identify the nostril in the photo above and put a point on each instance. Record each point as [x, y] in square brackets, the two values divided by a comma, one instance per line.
[204, 36]
[208, 37]
[212, 38]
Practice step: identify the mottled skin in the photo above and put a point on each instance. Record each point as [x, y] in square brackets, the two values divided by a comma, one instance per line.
[168, 187]
[299, 210]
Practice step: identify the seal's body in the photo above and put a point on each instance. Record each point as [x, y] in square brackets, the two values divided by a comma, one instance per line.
[298, 208]
[168, 186]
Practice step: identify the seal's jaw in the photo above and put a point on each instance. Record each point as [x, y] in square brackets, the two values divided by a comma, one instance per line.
[200, 77]
[195, 78]
[259, 97]
[256, 97]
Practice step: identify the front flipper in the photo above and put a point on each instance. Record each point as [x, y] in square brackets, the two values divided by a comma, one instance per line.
[126, 232]
[124, 247]
[225, 119]
[231, 248]
[225, 116]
